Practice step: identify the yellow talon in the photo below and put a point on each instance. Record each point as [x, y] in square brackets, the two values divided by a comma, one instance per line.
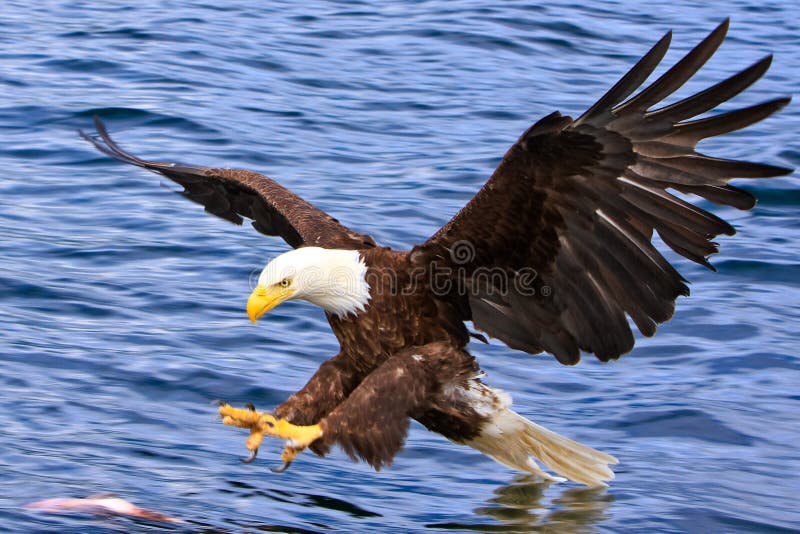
[260, 424]
[297, 436]
[254, 440]
[243, 418]
[289, 454]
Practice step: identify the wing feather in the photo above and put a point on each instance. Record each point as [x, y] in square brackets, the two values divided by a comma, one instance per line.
[679, 74]
[577, 202]
[235, 194]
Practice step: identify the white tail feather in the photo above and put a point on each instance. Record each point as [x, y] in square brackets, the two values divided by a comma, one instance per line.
[511, 440]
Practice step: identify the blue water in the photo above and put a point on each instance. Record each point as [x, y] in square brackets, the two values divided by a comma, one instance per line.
[122, 310]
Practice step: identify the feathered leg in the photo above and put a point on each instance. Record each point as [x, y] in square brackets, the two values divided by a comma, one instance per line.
[294, 419]
[330, 386]
[373, 422]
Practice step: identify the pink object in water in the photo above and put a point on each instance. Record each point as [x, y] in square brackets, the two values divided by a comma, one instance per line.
[100, 505]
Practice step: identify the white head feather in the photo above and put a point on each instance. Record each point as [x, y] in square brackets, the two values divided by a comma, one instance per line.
[334, 280]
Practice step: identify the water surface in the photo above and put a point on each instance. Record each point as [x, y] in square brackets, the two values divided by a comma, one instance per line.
[122, 304]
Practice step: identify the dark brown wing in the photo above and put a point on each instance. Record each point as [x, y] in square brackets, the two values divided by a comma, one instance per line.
[567, 218]
[233, 194]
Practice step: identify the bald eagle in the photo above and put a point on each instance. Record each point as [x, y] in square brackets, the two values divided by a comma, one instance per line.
[554, 254]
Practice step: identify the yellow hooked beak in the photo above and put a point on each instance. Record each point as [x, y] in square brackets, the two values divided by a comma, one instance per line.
[263, 299]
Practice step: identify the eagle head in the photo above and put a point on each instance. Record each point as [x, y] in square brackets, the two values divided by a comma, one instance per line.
[333, 279]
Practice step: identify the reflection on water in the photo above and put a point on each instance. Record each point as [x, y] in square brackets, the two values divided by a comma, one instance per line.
[245, 490]
[524, 506]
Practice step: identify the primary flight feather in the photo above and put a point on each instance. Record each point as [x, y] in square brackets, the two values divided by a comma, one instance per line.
[554, 254]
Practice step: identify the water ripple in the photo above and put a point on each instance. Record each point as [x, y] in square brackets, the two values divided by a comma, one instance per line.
[123, 305]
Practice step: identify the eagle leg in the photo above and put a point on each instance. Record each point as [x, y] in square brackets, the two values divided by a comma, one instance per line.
[260, 424]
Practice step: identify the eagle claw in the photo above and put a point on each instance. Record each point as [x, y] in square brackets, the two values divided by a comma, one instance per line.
[282, 468]
[250, 458]
[260, 424]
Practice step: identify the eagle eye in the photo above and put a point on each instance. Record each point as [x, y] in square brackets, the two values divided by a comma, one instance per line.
[285, 282]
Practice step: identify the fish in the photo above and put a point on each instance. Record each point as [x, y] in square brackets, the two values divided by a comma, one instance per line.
[104, 504]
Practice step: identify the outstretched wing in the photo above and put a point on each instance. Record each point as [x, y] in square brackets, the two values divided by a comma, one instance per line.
[233, 194]
[569, 214]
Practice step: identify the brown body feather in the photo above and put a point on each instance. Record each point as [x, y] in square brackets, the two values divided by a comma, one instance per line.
[567, 219]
